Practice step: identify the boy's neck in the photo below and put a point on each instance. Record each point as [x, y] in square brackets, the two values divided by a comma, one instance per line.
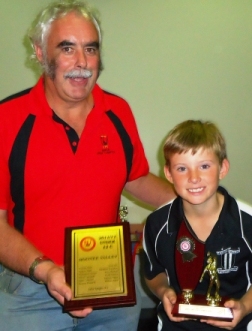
[202, 218]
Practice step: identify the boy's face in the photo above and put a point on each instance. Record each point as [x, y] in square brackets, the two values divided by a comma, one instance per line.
[196, 177]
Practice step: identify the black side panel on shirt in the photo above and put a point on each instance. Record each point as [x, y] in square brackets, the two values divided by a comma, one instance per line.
[125, 138]
[17, 167]
[16, 95]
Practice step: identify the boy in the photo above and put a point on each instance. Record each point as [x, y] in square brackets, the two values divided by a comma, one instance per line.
[203, 218]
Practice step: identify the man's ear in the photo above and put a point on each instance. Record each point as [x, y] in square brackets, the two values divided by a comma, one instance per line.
[168, 174]
[39, 53]
[224, 169]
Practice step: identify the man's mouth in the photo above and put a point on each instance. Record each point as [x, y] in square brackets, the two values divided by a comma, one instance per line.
[79, 74]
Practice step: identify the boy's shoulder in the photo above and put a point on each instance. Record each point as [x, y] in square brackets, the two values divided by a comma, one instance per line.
[244, 207]
[160, 216]
[162, 210]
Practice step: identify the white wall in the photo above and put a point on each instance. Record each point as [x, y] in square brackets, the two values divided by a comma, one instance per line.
[172, 60]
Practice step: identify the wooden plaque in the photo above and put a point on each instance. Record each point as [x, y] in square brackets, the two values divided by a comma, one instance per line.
[98, 267]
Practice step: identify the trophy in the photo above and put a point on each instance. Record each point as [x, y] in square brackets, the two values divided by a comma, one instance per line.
[123, 213]
[209, 306]
[99, 266]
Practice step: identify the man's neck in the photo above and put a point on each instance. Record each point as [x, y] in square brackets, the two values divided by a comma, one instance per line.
[73, 112]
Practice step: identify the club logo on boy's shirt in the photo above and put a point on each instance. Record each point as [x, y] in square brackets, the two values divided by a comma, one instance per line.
[105, 145]
[186, 246]
[227, 258]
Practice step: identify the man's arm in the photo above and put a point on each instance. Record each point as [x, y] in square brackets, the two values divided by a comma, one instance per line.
[151, 189]
[17, 254]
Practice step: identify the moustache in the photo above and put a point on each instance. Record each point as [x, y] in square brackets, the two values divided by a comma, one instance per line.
[78, 73]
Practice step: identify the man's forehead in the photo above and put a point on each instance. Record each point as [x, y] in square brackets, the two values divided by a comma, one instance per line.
[74, 25]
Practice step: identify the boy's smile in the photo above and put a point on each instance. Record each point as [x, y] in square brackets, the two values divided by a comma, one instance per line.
[196, 177]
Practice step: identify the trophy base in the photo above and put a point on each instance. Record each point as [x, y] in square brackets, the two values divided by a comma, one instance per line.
[198, 308]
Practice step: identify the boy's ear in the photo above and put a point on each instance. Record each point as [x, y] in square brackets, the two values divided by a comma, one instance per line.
[224, 169]
[168, 174]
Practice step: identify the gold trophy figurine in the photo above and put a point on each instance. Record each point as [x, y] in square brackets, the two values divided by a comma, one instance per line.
[211, 269]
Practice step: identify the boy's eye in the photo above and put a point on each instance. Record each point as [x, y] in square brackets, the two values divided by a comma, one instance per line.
[181, 169]
[205, 166]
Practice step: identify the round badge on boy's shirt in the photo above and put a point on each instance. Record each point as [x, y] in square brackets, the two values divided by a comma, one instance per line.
[186, 246]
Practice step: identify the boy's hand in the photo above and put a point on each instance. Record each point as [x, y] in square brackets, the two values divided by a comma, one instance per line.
[169, 299]
[239, 312]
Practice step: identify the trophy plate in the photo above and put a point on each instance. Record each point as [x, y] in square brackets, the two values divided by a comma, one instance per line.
[99, 267]
[199, 308]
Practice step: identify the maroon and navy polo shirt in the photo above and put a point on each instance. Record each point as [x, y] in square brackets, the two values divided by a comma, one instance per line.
[50, 179]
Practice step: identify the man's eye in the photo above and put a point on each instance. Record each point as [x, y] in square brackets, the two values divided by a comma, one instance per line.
[181, 169]
[205, 166]
[91, 50]
[67, 49]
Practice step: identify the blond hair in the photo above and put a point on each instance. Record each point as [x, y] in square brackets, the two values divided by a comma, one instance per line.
[193, 135]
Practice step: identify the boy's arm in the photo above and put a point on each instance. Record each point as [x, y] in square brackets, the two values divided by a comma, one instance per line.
[160, 287]
[240, 309]
[246, 301]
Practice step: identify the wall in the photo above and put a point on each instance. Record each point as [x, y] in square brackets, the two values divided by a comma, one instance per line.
[172, 60]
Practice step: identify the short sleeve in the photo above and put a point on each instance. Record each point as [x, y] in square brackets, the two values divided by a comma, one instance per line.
[152, 266]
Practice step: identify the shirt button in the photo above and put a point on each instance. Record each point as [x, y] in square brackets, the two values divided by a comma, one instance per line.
[67, 128]
[74, 143]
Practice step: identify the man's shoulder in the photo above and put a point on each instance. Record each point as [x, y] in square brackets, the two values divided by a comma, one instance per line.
[111, 100]
[16, 96]
[117, 105]
[113, 96]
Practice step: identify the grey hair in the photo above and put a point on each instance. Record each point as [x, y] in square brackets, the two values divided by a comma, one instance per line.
[42, 24]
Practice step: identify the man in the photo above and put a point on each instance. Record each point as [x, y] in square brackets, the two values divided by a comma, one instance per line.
[68, 149]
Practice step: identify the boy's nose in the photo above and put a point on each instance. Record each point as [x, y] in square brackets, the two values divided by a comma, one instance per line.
[194, 177]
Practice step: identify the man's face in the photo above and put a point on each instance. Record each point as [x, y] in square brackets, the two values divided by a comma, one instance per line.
[72, 45]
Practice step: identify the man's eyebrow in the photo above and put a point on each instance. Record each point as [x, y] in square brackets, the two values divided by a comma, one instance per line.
[93, 44]
[65, 43]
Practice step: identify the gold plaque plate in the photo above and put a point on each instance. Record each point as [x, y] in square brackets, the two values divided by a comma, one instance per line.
[98, 266]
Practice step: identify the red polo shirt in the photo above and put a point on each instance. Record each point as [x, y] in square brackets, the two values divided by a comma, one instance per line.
[45, 186]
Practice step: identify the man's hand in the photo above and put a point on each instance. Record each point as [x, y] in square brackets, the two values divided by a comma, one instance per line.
[60, 290]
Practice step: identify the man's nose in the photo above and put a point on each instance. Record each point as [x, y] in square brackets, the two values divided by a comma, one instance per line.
[81, 59]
